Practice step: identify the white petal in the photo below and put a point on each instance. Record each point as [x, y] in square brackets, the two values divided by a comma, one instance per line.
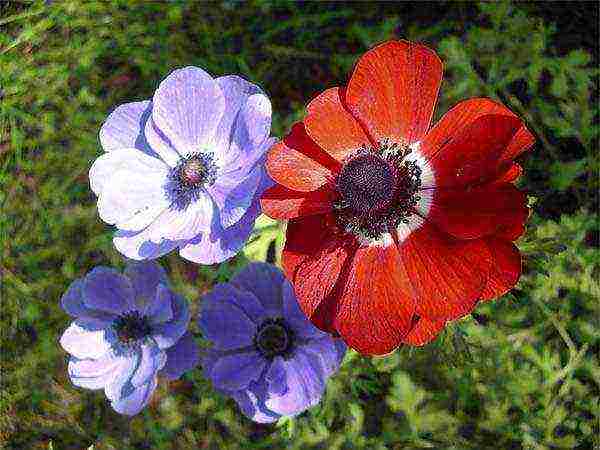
[135, 196]
[175, 225]
[83, 342]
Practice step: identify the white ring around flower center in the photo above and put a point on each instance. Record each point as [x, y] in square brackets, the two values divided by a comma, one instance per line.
[423, 205]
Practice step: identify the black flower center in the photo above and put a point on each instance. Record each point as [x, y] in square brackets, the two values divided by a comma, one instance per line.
[377, 191]
[273, 338]
[189, 177]
[131, 327]
[366, 183]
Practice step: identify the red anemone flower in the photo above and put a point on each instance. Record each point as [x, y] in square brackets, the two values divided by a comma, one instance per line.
[395, 228]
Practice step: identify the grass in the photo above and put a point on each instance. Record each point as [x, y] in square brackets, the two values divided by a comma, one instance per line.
[520, 373]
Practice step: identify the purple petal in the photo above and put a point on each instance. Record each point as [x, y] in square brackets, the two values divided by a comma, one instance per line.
[219, 244]
[72, 303]
[134, 195]
[168, 333]
[224, 324]
[208, 359]
[152, 359]
[161, 144]
[236, 92]
[94, 373]
[181, 357]
[245, 301]
[136, 399]
[293, 315]
[265, 281]
[187, 108]
[276, 377]
[252, 404]
[237, 371]
[123, 127]
[83, 342]
[159, 310]
[234, 195]
[327, 352]
[107, 290]
[145, 277]
[137, 245]
[249, 138]
[305, 387]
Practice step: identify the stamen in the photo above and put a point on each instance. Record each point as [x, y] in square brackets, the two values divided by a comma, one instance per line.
[378, 191]
[131, 327]
[189, 177]
[273, 338]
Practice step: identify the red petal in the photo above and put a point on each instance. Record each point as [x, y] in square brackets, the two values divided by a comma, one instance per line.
[393, 90]
[299, 164]
[299, 139]
[472, 157]
[282, 203]
[446, 275]
[332, 127]
[304, 237]
[480, 211]
[511, 175]
[465, 114]
[315, 278]
[424, 332]
[506, 268]
[375, 310]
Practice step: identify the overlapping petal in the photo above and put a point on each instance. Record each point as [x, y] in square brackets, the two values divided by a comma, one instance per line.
[446, 275]
[134, 196]
[473, 156]
[465, 114]
[187, 108]
[478, 212]
[123, 128]
[331, 125]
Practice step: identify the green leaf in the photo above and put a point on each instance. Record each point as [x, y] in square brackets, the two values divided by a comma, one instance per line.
[564, 174]
[266, 232]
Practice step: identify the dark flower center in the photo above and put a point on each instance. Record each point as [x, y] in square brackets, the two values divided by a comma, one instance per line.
[367, 182]
[193, 172]
[377, 191]
[273, 338]
[187, 179]
[132, 327]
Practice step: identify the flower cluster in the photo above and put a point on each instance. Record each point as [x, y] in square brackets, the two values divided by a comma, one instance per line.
[394, 229]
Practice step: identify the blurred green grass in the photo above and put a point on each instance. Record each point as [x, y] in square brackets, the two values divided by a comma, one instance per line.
[521, 373]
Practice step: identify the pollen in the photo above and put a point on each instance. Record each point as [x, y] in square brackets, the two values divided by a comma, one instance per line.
[193, 172]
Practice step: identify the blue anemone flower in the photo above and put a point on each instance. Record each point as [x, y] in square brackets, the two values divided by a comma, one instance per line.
[128, 329]
[265, 353]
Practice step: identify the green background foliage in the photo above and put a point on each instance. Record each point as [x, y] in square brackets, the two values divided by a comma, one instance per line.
[520, 373]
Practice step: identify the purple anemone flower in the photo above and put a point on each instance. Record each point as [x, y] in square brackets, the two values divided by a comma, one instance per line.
[265, 353]
[127, 329]
[185, 169]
